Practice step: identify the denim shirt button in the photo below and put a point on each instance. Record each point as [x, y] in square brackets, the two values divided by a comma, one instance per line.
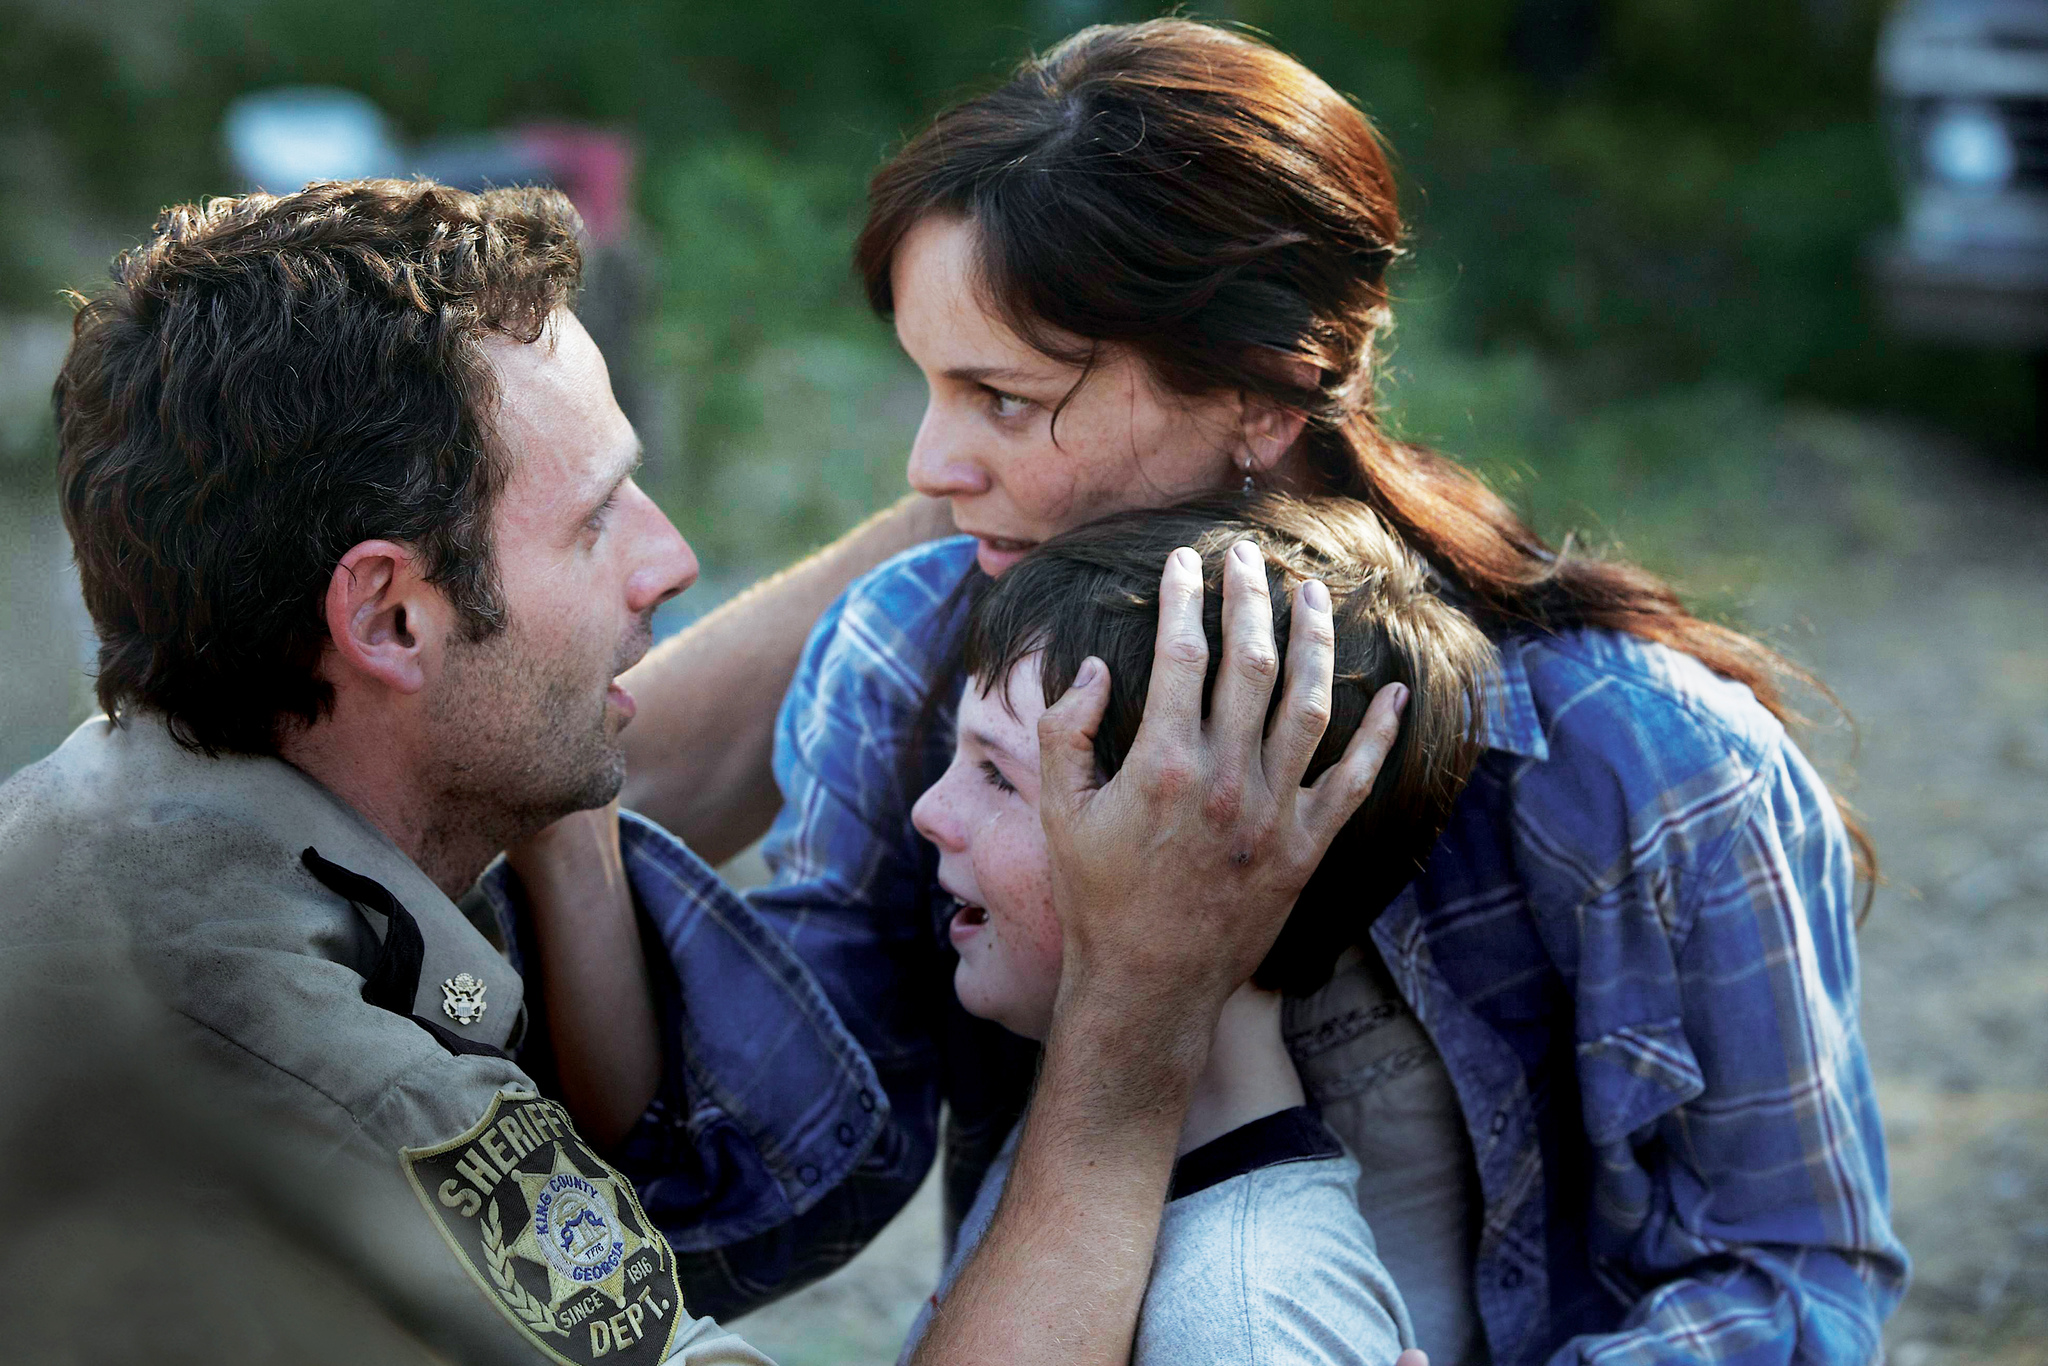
[1500, 1123]
[1511, 1278]
[807, 1174]
[867, 1100]
[845, 1132]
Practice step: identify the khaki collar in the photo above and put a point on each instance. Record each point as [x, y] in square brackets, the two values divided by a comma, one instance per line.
[291, 812]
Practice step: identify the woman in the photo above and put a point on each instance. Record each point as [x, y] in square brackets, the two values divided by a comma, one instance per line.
[1261, 1256]
[1607, 1043]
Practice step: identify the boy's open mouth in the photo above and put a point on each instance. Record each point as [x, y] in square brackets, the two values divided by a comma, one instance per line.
[970, 915]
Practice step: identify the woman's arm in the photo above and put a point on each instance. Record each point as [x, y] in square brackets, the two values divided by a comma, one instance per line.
[1737, 1157]
[698, 756]
[1265, 1255]
[1768, 1237]
[698, 753]
[851, 897]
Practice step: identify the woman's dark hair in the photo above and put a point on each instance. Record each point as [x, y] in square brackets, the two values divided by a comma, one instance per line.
[1208, 204]
[1095, 591]
[269, 382]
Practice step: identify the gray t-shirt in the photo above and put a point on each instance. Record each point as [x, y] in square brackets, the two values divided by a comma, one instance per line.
[1263, 1257]
[1384, 1091]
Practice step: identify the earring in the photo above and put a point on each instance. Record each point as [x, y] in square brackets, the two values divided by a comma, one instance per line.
[1250, 485]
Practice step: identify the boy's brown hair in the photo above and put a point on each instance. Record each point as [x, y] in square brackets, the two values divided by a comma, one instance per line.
[1095, 591]
[270, 381]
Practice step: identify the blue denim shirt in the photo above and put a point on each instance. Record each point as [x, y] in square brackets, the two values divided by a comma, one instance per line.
[1634, 949]
[770, 1131]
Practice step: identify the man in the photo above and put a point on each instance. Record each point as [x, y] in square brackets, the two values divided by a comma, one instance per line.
[354, 514]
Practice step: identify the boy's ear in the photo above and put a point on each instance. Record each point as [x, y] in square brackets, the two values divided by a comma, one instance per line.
[1269, 429]
[386, 625]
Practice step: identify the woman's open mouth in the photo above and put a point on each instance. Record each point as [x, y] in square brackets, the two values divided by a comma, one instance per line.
[997, 553]
[966, 922]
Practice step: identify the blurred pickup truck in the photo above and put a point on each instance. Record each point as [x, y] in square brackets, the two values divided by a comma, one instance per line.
[1965, 90]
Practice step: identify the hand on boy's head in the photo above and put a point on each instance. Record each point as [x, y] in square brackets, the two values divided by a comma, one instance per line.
[1173, 879]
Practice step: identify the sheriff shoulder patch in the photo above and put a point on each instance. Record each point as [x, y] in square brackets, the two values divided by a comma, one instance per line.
[554, 1236]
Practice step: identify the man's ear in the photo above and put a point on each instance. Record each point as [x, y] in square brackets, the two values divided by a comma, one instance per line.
[1271, 430]
[386, 624]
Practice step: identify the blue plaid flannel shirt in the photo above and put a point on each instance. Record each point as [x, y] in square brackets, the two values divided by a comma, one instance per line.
[770, 1134]
[1634, 948]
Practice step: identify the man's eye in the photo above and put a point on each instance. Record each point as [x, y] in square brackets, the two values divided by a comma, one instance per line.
[995, 777]
[595, 521]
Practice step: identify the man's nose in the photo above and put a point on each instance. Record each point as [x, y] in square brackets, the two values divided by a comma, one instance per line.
[665, 565]
[942, 464]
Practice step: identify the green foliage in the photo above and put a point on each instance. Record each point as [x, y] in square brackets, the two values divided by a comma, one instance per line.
[1621, 268]
[813, 438]
[31, 349]
[774, 364]
[755, 246]
[1670, 478]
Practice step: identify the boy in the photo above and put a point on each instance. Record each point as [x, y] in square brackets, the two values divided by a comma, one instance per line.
[1263, 1195]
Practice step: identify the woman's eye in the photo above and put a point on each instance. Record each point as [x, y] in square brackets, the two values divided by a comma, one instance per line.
[995, 777]
[1007, 406]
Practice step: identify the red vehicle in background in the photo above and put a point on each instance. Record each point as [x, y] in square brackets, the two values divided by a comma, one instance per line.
[277, 140]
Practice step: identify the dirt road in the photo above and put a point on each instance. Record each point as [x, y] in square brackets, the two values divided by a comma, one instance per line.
[1931, 622]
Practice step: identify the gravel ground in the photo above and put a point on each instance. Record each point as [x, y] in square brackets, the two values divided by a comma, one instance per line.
[1913, 576]
[1933, 628]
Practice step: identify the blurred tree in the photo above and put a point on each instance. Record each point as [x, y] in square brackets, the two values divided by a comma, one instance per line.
[1557, 42]
[1649, 191]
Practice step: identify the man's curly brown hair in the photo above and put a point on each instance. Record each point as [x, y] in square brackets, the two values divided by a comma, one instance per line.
[270, 381]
